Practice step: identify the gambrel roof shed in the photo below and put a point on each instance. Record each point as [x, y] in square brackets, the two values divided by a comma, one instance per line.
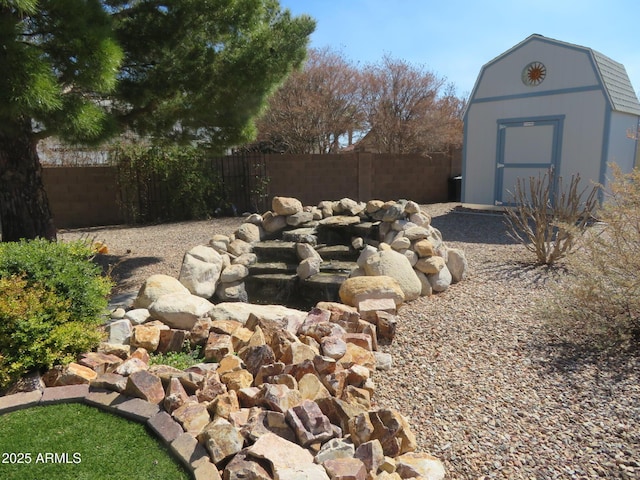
[546, 104]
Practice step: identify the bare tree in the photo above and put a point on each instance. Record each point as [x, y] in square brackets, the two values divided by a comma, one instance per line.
[405, 110]
[315, 110]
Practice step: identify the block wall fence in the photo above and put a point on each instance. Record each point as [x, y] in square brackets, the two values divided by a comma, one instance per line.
[86, 196]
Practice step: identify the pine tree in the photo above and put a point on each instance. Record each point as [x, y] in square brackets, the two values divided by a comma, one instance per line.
[85, 70]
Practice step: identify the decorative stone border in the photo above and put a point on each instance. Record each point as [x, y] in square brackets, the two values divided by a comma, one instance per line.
[183, 446]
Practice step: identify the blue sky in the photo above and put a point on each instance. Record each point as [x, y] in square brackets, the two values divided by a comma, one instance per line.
[455, 38]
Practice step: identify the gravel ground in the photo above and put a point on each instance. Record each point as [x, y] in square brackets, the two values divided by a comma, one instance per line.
[486, 386]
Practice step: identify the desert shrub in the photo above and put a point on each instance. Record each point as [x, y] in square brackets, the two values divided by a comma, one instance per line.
[37, 329]
[52, 297]
[64, 269]
[600, 298]
[550, 215]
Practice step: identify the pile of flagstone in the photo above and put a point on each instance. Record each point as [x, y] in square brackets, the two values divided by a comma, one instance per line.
[282, 393]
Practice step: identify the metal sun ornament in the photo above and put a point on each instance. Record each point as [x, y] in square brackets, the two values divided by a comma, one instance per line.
[533, 74]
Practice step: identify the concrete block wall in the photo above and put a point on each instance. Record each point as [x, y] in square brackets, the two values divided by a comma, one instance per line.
[83, 196]
[87, 196]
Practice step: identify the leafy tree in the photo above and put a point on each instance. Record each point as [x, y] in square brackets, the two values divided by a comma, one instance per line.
[84, 70]
[314, 109]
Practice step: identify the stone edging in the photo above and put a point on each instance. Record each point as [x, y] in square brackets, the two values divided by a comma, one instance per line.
[182, 445]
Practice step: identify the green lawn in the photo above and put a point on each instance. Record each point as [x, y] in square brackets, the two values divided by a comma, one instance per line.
[77, 442]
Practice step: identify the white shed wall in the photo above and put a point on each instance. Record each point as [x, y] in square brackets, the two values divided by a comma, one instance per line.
[566, 68]
[622, 149]
[581, 149]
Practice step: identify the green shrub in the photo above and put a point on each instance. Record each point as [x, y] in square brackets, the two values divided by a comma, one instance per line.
[37, 330]
[599, 301]
[166, 182]
[180, 360]
[62, 268]
[52, 298]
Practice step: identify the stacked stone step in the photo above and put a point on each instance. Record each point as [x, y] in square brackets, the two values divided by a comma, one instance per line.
[293, 252]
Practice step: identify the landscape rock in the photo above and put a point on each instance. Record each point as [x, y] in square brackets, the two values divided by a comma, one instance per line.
[238, 247]
[249, 232]
[120, 331]
[334, 449]
[232, 292]
[193, 417]
[395, 265]
[234, 273]
[156, 286]
[243, 467]
[371, 455]
[180, 310]
[200, 271]
[176, 396]
[424, 248]
[262, 422]
[145, 385]
[356, 289]
[288, 460]
[240, 311]
[222, 440]
[430, 265]
[346, 469]
[308, 267]
[137, 316]
[100, 362]
[273, 223]
[75, 374]
[286, 205]
[457, 264]
[420, 465]
[146, 336]
[309, 423]
[440, 281]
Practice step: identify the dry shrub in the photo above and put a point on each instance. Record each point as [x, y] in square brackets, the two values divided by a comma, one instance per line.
[549, 223]
[599, 300]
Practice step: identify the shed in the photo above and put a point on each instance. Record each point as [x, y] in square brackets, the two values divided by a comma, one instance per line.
[546, 104]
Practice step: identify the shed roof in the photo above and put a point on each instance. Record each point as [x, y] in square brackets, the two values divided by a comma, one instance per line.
[616, 81]
[614, 76]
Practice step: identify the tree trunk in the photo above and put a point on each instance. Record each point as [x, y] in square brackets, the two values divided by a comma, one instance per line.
[24, 207]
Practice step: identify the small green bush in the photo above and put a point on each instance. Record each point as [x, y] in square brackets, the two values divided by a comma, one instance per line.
[599, 300]
[161, 182]
[52, 298]
[180, 360]
[37, 330]
[62, 268]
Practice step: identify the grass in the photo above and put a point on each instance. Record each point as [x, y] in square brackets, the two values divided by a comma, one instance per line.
[90, 445]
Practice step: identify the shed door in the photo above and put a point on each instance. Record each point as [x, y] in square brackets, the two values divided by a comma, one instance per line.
[526, 148]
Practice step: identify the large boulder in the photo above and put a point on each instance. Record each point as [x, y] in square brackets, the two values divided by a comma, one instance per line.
[286, 205]
[250, 232]
[457, 264]
[156, 286]
[356, 289]
[440, 281]
[201, 267]
[180, 310]
[395, 265]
